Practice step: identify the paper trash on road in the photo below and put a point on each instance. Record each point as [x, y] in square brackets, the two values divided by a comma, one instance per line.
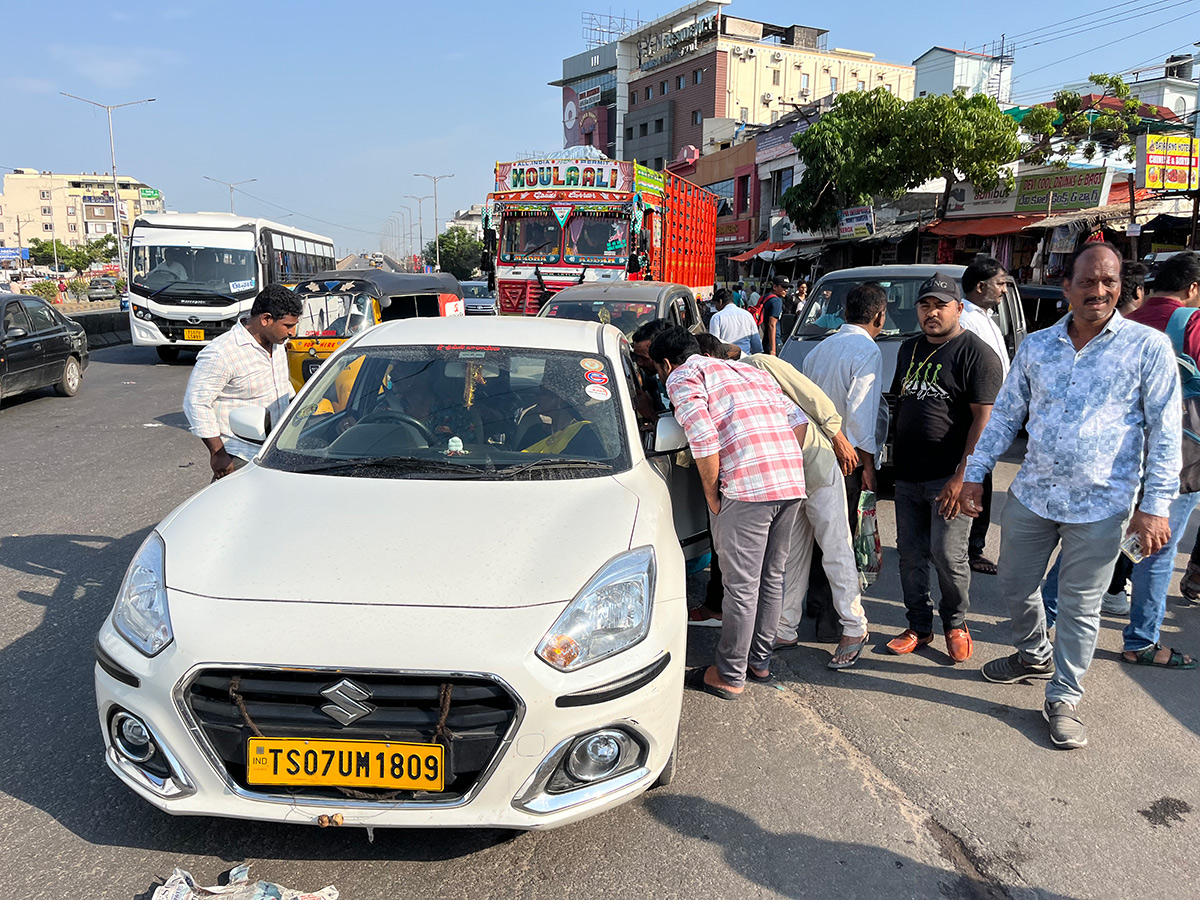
[181, 886]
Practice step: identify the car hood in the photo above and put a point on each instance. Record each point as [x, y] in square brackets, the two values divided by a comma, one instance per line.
[262, 534]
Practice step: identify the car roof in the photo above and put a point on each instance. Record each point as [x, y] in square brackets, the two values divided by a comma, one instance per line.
[501, 331]
[876, 273]
[616, 291]
[391, 282]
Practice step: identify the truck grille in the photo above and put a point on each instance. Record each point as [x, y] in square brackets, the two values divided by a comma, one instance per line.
[406, 708]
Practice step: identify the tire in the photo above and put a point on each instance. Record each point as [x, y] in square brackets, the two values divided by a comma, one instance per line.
[168, 354]
[667, 775]
[72, 377]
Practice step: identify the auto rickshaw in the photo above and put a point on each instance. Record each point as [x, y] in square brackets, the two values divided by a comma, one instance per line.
[339, 305]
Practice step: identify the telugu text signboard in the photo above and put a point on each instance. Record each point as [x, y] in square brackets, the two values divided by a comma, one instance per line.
[856, 222]
[1168, 162]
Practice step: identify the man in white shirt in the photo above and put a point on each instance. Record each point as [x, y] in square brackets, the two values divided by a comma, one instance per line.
[848, 367]
[246, 366]
[984, 283]
[734, 325]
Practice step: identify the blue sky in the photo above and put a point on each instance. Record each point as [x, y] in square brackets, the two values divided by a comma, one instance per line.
[332, 107]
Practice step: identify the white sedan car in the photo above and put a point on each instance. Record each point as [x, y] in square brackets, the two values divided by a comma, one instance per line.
[447, 592]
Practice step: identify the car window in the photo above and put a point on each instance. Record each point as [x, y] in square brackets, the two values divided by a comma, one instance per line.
[41, 315]
[14, 317]
[823, 314]
[679, 302]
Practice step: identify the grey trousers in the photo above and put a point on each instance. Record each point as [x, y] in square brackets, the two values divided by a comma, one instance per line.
[753, 541]
[922, 537]
[1088, 552]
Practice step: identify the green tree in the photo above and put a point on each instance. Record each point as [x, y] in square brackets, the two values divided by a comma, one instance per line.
[1055, 133]
[77, 288]
[104, 248]
[872, 144]
[461, 252]
[47, 290]
[41, 253]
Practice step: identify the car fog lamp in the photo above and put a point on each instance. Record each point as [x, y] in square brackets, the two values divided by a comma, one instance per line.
[131, 737]
[596, 756]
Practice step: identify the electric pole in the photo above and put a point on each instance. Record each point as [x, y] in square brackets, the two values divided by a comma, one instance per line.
[437, 247]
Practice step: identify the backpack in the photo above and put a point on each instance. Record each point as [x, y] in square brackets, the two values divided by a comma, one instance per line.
[1189, 383]
[757, 311]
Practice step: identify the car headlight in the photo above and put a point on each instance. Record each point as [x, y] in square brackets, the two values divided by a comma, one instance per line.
[141, 614]
[611, 613]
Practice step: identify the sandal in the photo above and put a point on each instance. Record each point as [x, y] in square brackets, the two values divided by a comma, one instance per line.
[982, 565]
[760, 679]
[694, 679]
[855, 649]
[1145, 657]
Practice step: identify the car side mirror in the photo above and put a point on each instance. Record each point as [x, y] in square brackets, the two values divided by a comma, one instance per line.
[250, 423]
[669, 436]
[14, 334]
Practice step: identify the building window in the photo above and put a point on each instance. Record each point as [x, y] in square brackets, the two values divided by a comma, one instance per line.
[743, 194]
[860, 85]
[633, 98]
[45, 195]
[47, 211]
[888, 88]
[697, 76]
[724, 192]
[775, 76]
[71, 226]
[697, 117]
[745, 114]
[649, 92]
[658, 126]
[774, 116]
[662, 89]
[804, 81]
[643, 129]
[680, 82]
[70, 210]
[629, 133]
[832, 85]
[47, 226]
[781, 180]
[658, 163]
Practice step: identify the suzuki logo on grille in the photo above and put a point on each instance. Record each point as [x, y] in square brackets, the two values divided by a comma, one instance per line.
[346, 702]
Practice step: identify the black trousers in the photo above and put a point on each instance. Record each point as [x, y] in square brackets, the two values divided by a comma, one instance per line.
[979, 528]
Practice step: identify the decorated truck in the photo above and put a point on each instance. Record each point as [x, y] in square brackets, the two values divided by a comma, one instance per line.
[581, 217]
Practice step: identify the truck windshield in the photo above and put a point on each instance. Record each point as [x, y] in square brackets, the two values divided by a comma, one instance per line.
[530, 239]
[191, 270]
[598, 240]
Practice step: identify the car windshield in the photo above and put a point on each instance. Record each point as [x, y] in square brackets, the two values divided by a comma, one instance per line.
[475, 291]
[102, 282]
[181, 270]
[600, 240]
[450, 411]
[626, 315]
[530, 239]
[336, 314]
[823, 313]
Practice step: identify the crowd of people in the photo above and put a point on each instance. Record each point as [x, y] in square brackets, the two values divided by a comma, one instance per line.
[784, 454]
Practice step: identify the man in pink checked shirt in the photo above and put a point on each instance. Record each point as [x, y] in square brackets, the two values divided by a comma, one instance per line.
[745, 435]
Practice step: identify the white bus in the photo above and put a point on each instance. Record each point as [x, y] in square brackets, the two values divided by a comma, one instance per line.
[194, 275]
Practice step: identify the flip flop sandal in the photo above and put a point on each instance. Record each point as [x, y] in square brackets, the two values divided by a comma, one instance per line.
[760, 679]
[857, 652]
[694, 679]
[982, 566]
[1146, 658]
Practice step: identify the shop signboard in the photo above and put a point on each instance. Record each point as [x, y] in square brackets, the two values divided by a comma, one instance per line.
[733, 232]
[782, 229]
[10, 253]
[965, 200]
[856, 222]
[777, 142]
[1168, 162]
[1062, 191]
[150, 194]
[668, 45]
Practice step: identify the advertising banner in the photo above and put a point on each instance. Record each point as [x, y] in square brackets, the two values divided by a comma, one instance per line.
[856, 222]
[564, 174]
[733, 232]
[1168, 162]
[1063, 191]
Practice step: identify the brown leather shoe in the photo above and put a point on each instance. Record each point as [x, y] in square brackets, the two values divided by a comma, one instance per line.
[959, 644]
[908, 640]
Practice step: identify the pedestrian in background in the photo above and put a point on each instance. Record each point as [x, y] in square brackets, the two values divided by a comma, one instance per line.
[733, 325]
[1099, 397]
[772, 312]
[745, 436]
[946, 381]
[984, 284]
[245, 366]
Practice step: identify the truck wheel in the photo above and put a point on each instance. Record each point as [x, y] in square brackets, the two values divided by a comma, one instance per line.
[168, 354]
[72, 376]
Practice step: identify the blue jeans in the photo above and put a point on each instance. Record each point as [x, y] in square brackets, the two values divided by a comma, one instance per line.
[1151, 578]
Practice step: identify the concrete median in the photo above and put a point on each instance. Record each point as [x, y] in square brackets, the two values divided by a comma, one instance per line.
[105, 328]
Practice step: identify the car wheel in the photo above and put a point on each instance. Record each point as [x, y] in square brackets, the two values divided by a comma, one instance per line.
[667, 775]
[72, 377]
[168, 354]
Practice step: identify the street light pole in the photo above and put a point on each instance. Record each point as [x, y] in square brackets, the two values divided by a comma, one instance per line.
[420, 223]
[122, 269]
[231, 185]
[409, 236]
[405, 223]
[437, 247]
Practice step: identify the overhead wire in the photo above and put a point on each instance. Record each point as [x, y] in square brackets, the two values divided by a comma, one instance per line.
[306, 216]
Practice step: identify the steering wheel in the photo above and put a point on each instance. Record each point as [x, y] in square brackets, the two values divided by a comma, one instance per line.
[394, 415]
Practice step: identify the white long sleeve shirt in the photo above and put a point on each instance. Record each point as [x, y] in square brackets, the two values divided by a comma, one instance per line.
[982, 322]
[848, 367]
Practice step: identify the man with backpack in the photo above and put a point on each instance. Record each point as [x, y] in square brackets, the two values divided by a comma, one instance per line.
[768, 311]
[1171, 308]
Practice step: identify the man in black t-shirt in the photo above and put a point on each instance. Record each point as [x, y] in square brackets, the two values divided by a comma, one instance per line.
[946, 381]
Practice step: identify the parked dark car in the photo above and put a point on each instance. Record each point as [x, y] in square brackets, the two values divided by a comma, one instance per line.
[102, 289]
[1044, 304]
[39, 347]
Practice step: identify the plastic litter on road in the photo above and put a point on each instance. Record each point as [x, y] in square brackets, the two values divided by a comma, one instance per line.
[181, 886]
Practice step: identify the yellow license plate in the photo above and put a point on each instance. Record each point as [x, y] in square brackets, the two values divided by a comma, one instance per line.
[354, 764]
[193, 334]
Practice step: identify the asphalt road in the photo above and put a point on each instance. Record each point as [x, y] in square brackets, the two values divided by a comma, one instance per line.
[904, 777]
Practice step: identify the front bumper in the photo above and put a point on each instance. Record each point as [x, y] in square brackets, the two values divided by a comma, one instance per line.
[638, 691]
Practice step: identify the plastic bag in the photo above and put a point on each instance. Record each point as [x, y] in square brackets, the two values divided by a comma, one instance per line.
[868, 551]
[181, 886]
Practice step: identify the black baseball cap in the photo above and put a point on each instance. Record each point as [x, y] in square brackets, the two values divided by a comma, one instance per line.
[940, 287]
[782, 280]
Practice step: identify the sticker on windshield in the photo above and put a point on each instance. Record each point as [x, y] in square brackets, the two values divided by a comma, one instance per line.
[595, 378]
[597, 392]
[247, 285]
[592, 365]
[472, 354]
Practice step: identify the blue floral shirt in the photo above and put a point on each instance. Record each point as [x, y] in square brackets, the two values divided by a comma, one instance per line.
[1094, 418]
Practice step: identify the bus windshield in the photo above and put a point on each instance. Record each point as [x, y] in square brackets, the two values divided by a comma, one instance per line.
[603, 240]
[191, 269]
[530, 239]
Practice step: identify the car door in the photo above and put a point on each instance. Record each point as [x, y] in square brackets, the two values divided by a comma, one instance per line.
[21, 358]
[51, 333]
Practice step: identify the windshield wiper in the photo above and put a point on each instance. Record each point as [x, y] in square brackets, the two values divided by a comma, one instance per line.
[400, 463]
[552, 462]
[529, 253]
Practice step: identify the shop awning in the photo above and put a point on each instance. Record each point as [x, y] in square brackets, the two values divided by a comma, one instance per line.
[1113, 214]
[764, 246]
[988, 226]
[800, 251]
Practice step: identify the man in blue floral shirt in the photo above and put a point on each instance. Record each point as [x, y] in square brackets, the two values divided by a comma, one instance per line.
[1104, 419]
